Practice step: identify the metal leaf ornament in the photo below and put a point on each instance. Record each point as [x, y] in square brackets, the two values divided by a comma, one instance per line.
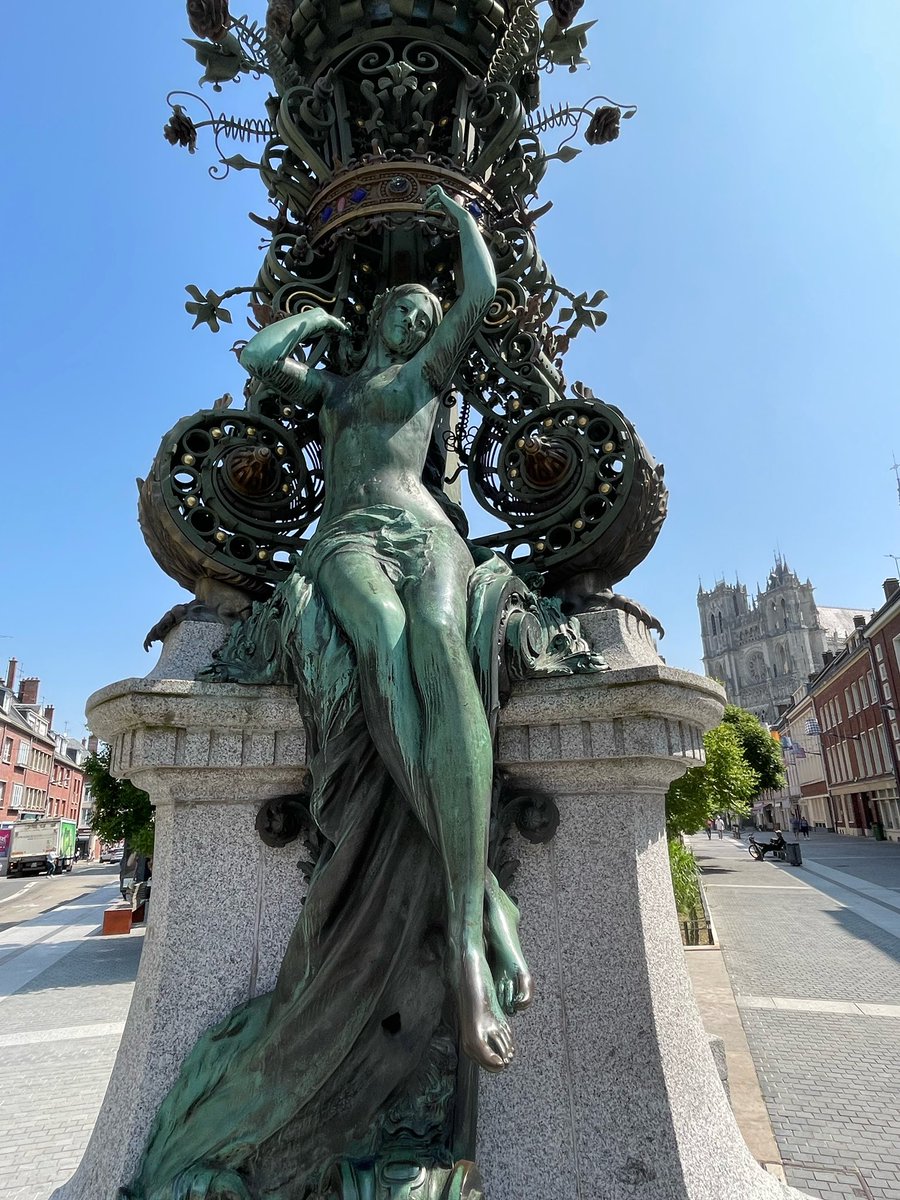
[206, 309]
[565, 11]
[209, 18]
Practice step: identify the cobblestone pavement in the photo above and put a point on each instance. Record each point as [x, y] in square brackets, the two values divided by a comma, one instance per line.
[813, 954]
[64, 995]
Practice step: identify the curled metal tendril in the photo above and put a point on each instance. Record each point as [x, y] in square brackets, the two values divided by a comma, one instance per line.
[564, 115]
[239, 129]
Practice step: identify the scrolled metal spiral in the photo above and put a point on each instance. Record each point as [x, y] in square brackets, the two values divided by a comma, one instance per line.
[556, 475]
[234, 490]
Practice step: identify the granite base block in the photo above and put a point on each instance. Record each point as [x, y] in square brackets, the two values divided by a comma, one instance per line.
[614, 1091]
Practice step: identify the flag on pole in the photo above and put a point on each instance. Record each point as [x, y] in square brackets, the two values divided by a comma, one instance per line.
[813, 727]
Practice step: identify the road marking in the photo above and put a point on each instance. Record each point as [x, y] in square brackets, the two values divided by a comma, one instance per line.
[761, 887]
[18, 895]
[849, 1008]
[34, 1037]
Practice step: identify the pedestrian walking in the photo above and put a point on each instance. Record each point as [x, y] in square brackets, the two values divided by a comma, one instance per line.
[804, 827]
[709, 828]
[720, 827]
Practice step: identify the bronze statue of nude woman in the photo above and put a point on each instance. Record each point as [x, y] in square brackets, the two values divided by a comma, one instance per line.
[406, 948]
[394, 573]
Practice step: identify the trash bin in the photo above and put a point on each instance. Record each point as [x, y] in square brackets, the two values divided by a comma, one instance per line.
[878, 831]
[792, 855]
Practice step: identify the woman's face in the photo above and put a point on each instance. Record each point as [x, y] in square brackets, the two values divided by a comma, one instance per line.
[406, 323]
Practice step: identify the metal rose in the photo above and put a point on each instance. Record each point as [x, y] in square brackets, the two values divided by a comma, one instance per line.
[565, 11]
[278, 17]
[604, 126]
[209, 18]
[180, 130]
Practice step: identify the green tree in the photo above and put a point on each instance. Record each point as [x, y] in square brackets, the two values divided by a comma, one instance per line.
[725, 783]
[761, 752]
[122, 812]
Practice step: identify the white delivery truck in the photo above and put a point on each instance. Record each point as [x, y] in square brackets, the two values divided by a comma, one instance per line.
[36, 844]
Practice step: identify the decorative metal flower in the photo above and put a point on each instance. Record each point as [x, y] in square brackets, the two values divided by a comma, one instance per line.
[604, 126]
[180, 130]
[206, 309]
[565, 11]
[209, 18]
[278, 17]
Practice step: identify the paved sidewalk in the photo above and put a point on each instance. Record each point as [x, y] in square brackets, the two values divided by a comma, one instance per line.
[64, 995]
[813, 954]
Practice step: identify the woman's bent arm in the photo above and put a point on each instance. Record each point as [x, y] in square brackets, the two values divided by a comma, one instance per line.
[267, 355]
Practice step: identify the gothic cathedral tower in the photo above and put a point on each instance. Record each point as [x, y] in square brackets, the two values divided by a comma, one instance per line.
[763, 649]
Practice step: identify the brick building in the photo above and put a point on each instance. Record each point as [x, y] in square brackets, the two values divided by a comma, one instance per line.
[806, 788]
[841, 734]
[40, 770]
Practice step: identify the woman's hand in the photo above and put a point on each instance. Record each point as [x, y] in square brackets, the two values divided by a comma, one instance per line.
[315, 321]
[437, 200]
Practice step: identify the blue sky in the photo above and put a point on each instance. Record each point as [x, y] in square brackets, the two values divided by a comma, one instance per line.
[745, 226]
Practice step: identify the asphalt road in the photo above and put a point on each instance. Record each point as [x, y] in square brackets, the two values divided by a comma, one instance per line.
[28, 896]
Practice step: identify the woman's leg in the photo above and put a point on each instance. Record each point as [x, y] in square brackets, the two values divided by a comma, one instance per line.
[434, 738]
[457, 763]
[512, 979]
[365, 604]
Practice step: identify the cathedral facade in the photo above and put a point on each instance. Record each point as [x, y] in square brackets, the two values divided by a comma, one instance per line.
[764, 647]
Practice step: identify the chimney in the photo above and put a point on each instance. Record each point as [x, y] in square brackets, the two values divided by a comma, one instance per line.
[29, 690]
[48, 713]
[93, 744]
[859, 621]
[891, 588]
[13, 665]
[827, 657]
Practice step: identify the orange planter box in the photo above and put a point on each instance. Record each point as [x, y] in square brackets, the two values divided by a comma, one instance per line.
[117, 920]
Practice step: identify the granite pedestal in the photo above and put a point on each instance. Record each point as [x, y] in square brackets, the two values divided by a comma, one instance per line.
[613, 1094]
[223, 903]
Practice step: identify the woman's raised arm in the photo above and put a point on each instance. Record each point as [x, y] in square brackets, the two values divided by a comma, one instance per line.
[267, 355]
[441, 355]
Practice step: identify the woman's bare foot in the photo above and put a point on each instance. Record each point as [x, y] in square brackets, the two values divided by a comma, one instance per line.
[512, 979]
[486, 1038]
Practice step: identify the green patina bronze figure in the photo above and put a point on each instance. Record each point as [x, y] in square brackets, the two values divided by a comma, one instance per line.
[407, 950]
[402, 154]
[394, 574]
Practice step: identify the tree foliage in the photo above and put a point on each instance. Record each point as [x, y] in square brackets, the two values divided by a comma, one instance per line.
[725, 783]
[761, 752]
[122, 812]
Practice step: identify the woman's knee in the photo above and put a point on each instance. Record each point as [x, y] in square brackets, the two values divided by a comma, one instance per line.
[382, 627]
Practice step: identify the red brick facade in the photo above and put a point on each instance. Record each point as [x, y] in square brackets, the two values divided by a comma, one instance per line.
[40, 771]
[855, 730]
